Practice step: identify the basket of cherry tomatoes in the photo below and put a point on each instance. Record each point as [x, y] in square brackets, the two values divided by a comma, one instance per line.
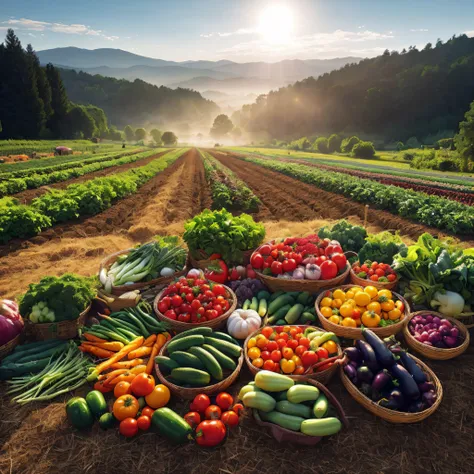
[380, 275]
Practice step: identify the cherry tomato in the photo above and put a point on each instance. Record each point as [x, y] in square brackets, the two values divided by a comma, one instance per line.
[171, 314]
[322, 353]
[272, 345]
[211, 314]
[148, 411]
[238, 408]
[128, 427]
[269, 364]
[267, 331]
[277, 268]
[275, 356]
[176, 300]
[309, 358]
[193, 418]
[256, 260]
[143, 422]
[213, 412]
[304, 341]
[230, 418]
[292, 344]
[218, 290]
[184, 318]
[201, 402]
[224, 400]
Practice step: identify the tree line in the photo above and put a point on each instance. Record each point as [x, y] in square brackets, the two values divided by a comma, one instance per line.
[139, 134]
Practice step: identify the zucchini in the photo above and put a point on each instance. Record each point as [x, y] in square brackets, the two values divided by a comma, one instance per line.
[42, 355]
[246, 304]
[254, 304]
[8, 371]
[294, 409]
[260, 400]
[279, 314]
[246, 389]
[170, 425]
[203, 331]
[224, 361]
[194, 377]
[289, 422]
[262, 308]
[184, 343]
[33, 349]
[320, 407]
[278, 396]
[185, 359]
[280, 322]
[272, 382]
[303, 297]
[166, 362]
[307, 318]
[263, 295]
[224, 337]
[282, 300]
[209, 361]
[322, 427]
[303, 393]
[275, 295]
[226, 347]
[295, 312]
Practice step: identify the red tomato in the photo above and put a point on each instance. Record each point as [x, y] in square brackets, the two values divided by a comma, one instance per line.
[304, 341]
[268, 364]
[300, 350]
[201, 402]
[340, 260]
[267, 331]
[330, 249]
[142, 385]
[275, 356]
[281, 343]
[293, 343]
[230, 418]
[289, 265]
[163, 306]
[128, 427]
[265, 355]
[176, 301]
[391, 277]
[284, 335]
[193, 418]
[328, 270]
[210, 433]
[195, 304]
[218, 290]
[379, 272]
[213, 412]
[144, 422]
[148, 411]
[218, 308]
[374, 265]
[272, 345]
[184, 317]
[256, 260]
[322, 353]
[277, 268]
[211, 314]
[189, 297]
[309, 358]
[320, 260]
[265, 249]
[224, 400]
[171, 314]
[238, 408]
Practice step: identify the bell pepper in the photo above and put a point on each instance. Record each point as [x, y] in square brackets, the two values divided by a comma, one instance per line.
[79, 413]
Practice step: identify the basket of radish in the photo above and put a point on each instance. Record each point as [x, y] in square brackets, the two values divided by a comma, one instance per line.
[11, 327]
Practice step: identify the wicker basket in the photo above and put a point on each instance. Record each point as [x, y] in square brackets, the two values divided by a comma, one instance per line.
[189, 393]
[179, 326]
[467, 320]
[436, 352]
[356, 333]
[379, 285]
[205, 262]
[282, 435]
[60, 330]
[107, 262]
[9, 346]
[394, 416]
[322, 377]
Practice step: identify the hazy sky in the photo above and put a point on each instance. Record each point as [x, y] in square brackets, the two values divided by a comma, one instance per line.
[239, 30]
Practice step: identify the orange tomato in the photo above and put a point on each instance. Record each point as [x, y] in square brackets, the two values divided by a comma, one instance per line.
[326, 302]
[258, 362]
[293, 332]
[125, 406]
[287, 366]
[399, 305]
[286, 328]
[326, 311]
[252, 342]
[287, 353]
[371, 291]
[267, 331]
[299, 370]
[159, 397]
[262, 341]
[253, 353]
[297, 360]
[375, 307]
[330, 346]
[386, 293]
[349, 323]
[362, 298]
[370, 319]
[394, 314]
[339, 295]
[337, 303]
[122, 388]
[346, 310]
[335, 319]
[142, 385]
[387, 305]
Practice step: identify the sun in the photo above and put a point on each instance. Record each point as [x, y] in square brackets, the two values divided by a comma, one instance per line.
[276, 24]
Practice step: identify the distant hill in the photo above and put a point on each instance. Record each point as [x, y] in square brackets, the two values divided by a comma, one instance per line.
[244, 85]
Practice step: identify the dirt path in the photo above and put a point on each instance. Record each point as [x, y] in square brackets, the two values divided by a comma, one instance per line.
[284, 195]
[27, 196]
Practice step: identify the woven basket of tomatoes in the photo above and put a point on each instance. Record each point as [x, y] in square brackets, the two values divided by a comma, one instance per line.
[380, 275]
[346, 309]
[293, 350]
[300, 264]
[192, 302]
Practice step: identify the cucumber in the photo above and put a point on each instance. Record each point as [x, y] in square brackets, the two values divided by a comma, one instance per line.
[321, 406]
[260, 400]
[293, 294]
[166, 363]
[263, 295]
[289, 422]
[281, 322]
[278, 396]
[307, 318]
[203, 331]
[224, 337]
[184, 343]
[246, 389]
[322, 427]
[8, 371]
[294, 313]
[224, 361]
[276, 295]
[295, 409]
[280, 314]
[303, 297]
[226, 347]
[194, 377]
[262, 308]
[273, 382]
[209, 361]
[254, 304]
[302, 393]
[185, 359]
[32, 352]
[246, 304]
[282, 300]
[42, 355]
[170, 425]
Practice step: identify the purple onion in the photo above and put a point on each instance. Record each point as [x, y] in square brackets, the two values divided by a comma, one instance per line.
[444, 330]
[422, 320]
[436, 320]
[454, 332]
[435, 336]
[445, 322]
[417, 320]
[428, 343]
[424, 336]
[440, 345]
[429, 318]
[412, 330]
[450, 341]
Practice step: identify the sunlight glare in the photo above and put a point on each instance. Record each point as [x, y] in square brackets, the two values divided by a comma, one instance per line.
[276, 24]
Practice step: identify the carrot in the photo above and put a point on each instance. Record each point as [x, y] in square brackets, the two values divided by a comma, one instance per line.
[135, 344]
[90, 337]
[150, 340]
[140, 352]
[97, 351]
[126, 377]
[112, 374]
[138, 369]
[113, 346]
[160, 341]
[168, 336]
[127, 364]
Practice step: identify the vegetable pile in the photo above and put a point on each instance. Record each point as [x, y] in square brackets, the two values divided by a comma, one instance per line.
[374, 271]
[307, 258]
[247, 289]
[388, 375]
[351, 237]
[434, 331]
[381, 247]
[291, 308]
[297, 407]
[11, 322]
[358, 306]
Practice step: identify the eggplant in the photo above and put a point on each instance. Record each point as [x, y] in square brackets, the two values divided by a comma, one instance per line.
[355, 364]
[364, 374]
[350, 371]
[416, 406]
[381, 380]
[366, 389]
[407, 383]
[354, 354]
[394, 401]
[368, 355]
[429, 397]
[382, 352]
[426, 386]
[413, 368]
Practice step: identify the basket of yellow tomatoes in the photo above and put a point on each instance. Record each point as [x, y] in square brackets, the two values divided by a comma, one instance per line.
[346, 309]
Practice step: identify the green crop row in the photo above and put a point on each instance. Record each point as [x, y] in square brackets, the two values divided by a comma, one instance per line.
[26, 147]
[429, 210]
[89, 198]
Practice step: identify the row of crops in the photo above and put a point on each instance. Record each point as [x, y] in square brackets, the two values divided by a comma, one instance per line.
[35, 180]
[17, 147]
[227, 190]
[88, 198]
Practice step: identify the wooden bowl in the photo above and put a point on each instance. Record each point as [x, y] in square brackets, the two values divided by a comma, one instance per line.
[282, 435]
[379, 285]
[179, 326]
[9, 346]
[189, 393]
[203, 263]
[322, 377]
[435, 352]
[394, 416]
[356, 333]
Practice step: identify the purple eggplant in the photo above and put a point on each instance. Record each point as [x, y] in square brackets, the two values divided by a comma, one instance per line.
[364, 374]
[394, 401]
[429, 397]
[407, 360]
[354, 354]
[368, 355]
[383, 354]
[407, 383]
[355, 364]
[366, 389]
[381, 380]
[416, 406]
[350, 371]
[426, 386]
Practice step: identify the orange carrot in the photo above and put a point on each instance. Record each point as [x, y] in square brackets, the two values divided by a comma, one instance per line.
[115, 358]
[97, 351]
[127, 364]
[126, 377]
[160, 342]
[112, 374]
[149, 341]
[113, 346]
[140, 352]
[168, 336]
[92, 338]
[138, 369]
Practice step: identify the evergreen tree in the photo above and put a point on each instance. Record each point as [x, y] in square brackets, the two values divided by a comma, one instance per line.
[59, 101]
[100, 120]
[79, 124]
[42, 83]
[464, 140]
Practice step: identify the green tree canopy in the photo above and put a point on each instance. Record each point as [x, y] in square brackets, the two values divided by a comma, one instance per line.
[321, 145]
[79, 124]
[334, 143]
[156, 135]
[348, 144]
[464, 140]
[169, 138]
[129, 133]
[363, 150]
[222, 126]
[140, 134]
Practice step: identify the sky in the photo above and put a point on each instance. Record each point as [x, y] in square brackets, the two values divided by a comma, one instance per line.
[238, 30]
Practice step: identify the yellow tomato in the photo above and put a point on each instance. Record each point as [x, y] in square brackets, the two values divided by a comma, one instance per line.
[335, 319]
[361, 309]
[253, 353]
[326, 301]
[285, 329]
[337, 303]
[287, 366]
[262, 341]
[349, 294]
[394, 314]
[159, 397]
[326, 311]
[331, 347]
[297, 360]
[346, 310]
[375, 307]
[356, 289]
[258, 362]
[349, 323]
[362, 298]
[351, 301]
[400, 306]
[384, 315]
[370, 319]
[387, 305]
[339, 295]
[386, 293]
[371, 291]
[252, 342]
